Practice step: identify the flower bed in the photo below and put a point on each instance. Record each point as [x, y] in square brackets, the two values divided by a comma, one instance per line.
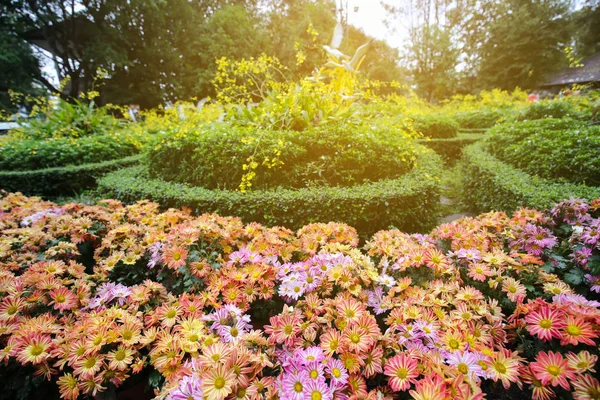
[409, 202]
[490, 184]
[211, 308]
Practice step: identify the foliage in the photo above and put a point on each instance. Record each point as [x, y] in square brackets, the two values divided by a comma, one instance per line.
[547, 109]
[523, 44]
[22, 155]
[18, 65]
[490, 184]
[480, 119]
[409, 201]
[61, 119]
[61, 181]
[451, 149]
[435, 125]
[553, 149]
[338, 155]
[207, 305]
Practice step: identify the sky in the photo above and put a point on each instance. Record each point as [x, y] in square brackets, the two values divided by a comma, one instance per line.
[370, 16]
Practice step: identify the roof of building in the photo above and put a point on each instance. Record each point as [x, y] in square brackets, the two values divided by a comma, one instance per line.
[590, 72]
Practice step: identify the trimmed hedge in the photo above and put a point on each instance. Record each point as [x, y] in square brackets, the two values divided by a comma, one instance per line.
[490, 184]
[451, 149]
[18, 154]
[478, 119]
[435, 125]
[554, 149]
[337, 155]
[61, 180]
[409, 202]
[547, 109]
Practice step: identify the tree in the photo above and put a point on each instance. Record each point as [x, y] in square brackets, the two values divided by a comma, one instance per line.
[586, 24]
[524, 44]
[431, 53]
[18, 68]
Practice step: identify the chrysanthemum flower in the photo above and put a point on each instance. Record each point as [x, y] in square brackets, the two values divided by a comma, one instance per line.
[582, 361]
[318, 390]
[504, 366]
[337, 372]
[295, 386]
[88, 366]
[586, 388]
[217, 383]
[576, 331]
[68, 387]
[430, 388]
[552, 368]
[175, 257]
[546, 323]
[35, 349]
[466, 363]
[402, 371]
[119, 359]
[514, 290]
[189, 388]
[356, 339]
[330, 341]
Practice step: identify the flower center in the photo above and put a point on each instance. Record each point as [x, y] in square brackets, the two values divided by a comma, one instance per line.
[462, 368]
[316, 396]
[298, 387]
[120, 355]
[234, 331]
[336, 372]
[402, 373]
[288, 329]
[500, 367]
[37, 349]
[546, 324]
[91, 362]
[355, 338]
[553, 370]
[220, 382]
[573, 330]
[314, 374]
[453, 343]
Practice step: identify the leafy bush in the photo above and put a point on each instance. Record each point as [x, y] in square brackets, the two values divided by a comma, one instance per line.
[553, 149]
[478, 119]
[490, 184]
[61, 180]
[451, 149]
[68, 120]
[435, 125]
[409, 201]
[338, 155]
[30, 154]
[547, 109]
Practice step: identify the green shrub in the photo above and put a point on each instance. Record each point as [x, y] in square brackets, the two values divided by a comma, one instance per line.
[61, 180]
[478, 119]
[68, 120]
[340, 155]
[451, 149]
[490, 184]
[547, 109]
[435, 125]
[409, 202]
[553, 149]
[29, 154]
